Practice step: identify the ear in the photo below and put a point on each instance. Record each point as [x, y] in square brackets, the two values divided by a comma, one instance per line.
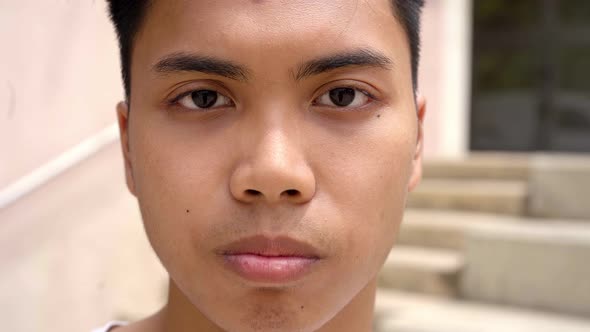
[123, 119]
[416, 175]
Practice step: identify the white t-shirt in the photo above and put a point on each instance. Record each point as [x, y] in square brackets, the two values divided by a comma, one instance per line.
[109, 326]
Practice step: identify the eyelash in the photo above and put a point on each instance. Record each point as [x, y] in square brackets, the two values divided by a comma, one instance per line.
[177, 98]
[175, 101]
[369, 95]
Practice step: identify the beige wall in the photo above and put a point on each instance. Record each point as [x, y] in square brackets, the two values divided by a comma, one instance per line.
[59, 79]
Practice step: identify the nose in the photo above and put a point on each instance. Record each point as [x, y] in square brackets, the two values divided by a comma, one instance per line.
[273, 170]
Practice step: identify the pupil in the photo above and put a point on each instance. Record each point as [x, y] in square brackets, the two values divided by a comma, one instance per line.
[342, 96]
[204, 98]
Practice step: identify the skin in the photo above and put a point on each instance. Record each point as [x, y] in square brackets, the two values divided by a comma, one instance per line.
[348, 170]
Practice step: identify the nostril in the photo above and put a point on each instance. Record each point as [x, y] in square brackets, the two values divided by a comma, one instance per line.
[288, 192]
[292, 192]
[252, 192]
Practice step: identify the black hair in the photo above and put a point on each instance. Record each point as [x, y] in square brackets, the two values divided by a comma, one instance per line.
[408, 13]
[128, 15]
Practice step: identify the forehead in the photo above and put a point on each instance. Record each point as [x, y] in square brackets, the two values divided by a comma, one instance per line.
[267, 32]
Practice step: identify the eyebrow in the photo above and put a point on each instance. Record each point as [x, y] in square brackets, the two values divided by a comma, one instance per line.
[363, 57]
[188, 62]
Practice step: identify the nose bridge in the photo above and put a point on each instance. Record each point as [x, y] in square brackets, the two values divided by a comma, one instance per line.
[277, 147]
[273, 166]
[271, 137]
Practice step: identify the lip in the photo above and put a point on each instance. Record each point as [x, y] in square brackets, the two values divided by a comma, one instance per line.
[276, 260]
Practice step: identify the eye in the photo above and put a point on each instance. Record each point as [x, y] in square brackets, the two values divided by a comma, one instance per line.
[343, 97]
[203, 99]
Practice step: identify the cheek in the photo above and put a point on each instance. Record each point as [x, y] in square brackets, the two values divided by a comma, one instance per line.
[175, 186]
[367, 180]
[179, 165]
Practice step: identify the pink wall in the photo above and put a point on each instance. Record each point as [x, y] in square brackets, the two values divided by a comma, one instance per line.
[59, 80]
[445, 76]
[430, 75]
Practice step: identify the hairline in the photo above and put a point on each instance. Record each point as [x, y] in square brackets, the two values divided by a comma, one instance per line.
[145, 12]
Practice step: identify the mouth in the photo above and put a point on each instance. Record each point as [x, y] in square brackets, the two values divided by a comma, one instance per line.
[266, 260]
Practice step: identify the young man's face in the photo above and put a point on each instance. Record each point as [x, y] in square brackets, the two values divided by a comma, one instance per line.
[301, 127]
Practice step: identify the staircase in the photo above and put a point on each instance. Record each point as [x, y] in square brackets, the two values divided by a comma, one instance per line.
[468, 240]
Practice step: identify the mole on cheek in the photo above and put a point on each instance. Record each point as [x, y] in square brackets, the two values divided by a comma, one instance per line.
[378, 115]
[187, 211]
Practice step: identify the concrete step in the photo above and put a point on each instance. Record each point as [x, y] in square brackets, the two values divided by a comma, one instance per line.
[492, 196]
[430, 271]
[481, 165]
[540, 265]
[445, 229]
[537, 263]
[407, 312]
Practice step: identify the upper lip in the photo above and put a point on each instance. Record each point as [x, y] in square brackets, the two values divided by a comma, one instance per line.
[279, 246]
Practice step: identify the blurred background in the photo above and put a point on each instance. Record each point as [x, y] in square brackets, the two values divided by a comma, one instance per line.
[496, 238]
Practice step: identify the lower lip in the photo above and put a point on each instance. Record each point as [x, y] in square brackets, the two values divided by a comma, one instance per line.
[269, 269]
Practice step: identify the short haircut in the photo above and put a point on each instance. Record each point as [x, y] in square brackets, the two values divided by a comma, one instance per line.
[128, 15]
